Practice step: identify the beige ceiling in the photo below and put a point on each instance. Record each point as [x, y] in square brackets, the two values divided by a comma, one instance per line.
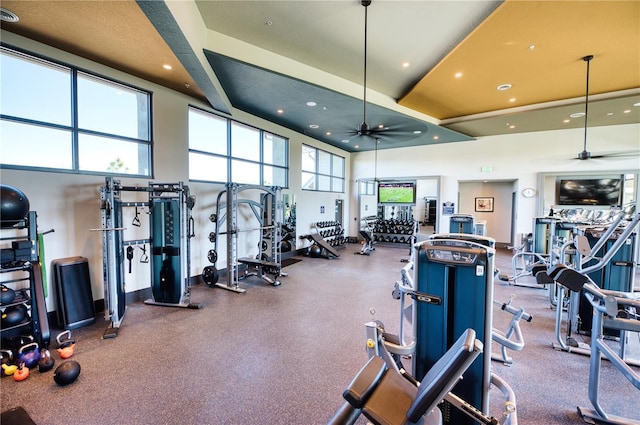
[488, 41]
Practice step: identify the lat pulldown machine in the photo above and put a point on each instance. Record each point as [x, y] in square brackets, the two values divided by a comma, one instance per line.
[170, 231]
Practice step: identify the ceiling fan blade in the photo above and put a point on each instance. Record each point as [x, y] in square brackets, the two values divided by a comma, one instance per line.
[586, 155]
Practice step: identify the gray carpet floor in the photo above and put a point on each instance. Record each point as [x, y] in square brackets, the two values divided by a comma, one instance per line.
[283, 355]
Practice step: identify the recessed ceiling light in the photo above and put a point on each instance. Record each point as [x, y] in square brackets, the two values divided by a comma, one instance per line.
[609, 114]
[532, 47]
[436, 137]
[269, 23]
[167, 66]
[345, 140]
[458, 74]
[8, 16]
[503, 87]
[566, 121]
[417, 131]
[405, 64]
[357, 146]
[313, 126]
[636, 104]
[577, 115]
[280, 111]
[512, 126]
[311, 103]
[513, 99]
[328, 133]
[626, 111]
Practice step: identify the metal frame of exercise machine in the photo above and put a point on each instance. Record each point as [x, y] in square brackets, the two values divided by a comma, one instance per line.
[170, 231]
[269, 213]
[615, 310]
[586, 255]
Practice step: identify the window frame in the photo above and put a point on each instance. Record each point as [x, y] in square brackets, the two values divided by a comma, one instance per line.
[230, 159]
[74, 130]
[331, 176]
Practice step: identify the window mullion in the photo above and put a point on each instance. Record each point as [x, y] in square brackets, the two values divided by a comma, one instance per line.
[75, 154]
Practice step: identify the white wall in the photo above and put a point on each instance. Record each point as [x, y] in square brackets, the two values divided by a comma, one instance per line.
[498, 222]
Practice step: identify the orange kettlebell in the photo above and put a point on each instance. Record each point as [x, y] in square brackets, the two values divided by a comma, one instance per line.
[65, 348]
[21, 373]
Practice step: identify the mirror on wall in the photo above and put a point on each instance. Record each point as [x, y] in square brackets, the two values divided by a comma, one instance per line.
[289, 224]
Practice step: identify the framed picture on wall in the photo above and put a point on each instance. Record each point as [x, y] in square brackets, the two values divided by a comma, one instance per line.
[484, 204]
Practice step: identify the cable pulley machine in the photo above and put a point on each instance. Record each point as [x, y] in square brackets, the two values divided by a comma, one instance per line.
[171, 227]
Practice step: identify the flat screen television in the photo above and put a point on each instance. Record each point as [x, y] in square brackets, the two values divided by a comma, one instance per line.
[396, 193]
[590, 191]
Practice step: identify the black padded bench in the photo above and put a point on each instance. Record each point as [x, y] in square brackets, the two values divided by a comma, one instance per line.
[386, 397]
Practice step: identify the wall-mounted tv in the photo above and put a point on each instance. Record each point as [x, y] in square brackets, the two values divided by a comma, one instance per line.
[396, 193]
[590, 191]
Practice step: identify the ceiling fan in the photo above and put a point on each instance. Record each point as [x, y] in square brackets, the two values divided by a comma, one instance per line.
[585, 154]
[399, 129]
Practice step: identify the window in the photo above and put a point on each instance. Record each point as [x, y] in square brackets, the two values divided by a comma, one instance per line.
[321, 170]
[110, 131]
[223, 151]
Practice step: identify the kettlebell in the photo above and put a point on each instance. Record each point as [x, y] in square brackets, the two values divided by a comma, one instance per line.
[7, 295]
[7, 356]
[21, 373]
[29, 355]
[65, 348]
[46, 361]
[66, 373]
[13, 315]
[8, 370]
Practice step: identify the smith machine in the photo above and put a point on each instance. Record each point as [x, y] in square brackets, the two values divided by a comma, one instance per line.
[269, 212]
[170, 230]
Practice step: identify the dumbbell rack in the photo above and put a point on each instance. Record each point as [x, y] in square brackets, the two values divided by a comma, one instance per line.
[395, 231]
[332, 232]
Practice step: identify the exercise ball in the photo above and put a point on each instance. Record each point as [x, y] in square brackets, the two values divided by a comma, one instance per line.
[14, 205]
[315, 251]
[285, 246]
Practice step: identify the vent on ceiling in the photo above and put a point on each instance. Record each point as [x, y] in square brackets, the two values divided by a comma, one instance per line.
[8, 16]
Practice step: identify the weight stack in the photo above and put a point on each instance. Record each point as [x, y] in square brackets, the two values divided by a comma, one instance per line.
[72, 283]
[454, 291]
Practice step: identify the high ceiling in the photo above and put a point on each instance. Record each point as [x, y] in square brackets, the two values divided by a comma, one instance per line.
[269, 58]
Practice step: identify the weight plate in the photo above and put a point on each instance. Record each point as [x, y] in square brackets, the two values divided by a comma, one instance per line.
[210, 275]
[212, 256]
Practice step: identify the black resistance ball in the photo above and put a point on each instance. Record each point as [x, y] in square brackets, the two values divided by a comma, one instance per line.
[66, 373]
[14, 205]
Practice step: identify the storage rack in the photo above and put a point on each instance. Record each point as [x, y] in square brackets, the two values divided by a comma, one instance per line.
[26, 269]
[395, 231]
[332, 232]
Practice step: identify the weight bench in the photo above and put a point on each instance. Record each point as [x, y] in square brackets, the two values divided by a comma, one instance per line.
[264, 268]
[387, 397]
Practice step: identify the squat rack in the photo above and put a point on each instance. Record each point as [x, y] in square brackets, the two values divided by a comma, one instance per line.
[269, 212]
